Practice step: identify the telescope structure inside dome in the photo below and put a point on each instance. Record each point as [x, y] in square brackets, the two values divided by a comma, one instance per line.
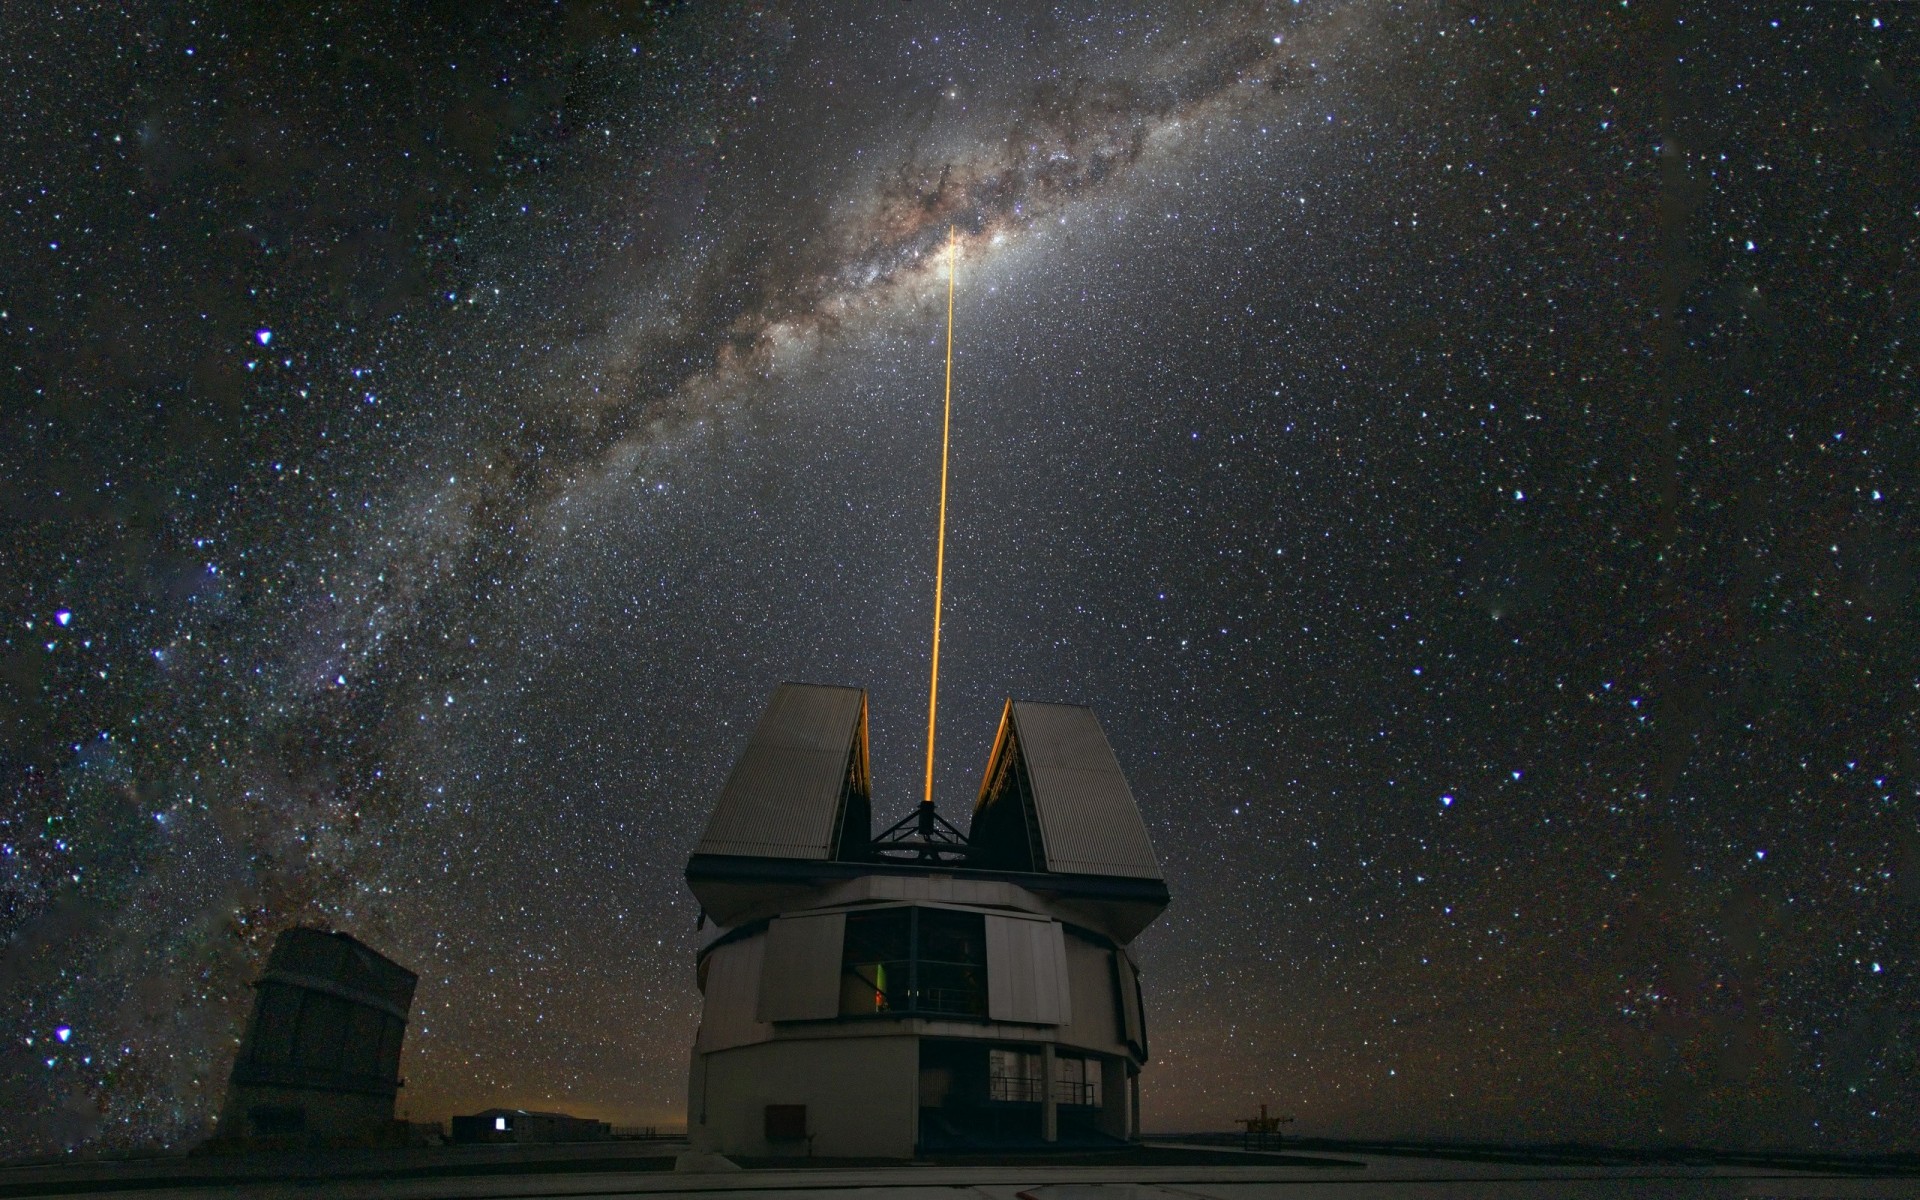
[922, 989]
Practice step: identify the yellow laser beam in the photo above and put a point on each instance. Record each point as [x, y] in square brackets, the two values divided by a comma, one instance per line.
[940, 551]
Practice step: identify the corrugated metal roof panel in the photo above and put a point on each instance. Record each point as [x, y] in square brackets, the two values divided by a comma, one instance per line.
[784, 792]
[1088, 819]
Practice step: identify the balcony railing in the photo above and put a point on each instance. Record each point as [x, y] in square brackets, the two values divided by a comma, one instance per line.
[896, 987]
[1067, 1092]
[1015, 1089]
[1018, 1089]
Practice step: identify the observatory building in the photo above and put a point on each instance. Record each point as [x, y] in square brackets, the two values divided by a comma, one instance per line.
[922, 989]
[321, 1057]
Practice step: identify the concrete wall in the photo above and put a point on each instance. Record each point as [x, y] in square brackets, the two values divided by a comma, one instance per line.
[1116, 1097]
[862, 1096]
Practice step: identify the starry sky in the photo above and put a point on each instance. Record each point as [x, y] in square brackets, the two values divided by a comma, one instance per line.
[1464, 452]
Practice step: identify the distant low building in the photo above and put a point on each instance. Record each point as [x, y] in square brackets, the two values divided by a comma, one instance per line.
[520, 1125]
[924, 989]
[320, 1061]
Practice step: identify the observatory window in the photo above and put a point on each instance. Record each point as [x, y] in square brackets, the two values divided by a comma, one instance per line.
[1013, 1076]
[914, 960]
[877, 965]
[951, 963]
[1076, 1080]
[500, 1123]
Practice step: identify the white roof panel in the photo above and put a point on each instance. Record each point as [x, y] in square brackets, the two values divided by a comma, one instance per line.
[1089, 822]
[784, 794]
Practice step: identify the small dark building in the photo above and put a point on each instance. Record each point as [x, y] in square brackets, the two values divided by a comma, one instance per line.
[321, 1057]
[519, 1125]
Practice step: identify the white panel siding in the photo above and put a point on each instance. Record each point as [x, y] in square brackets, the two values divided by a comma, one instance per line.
[1056, 1002]
[1095, 1023]
[800, 979]
[728, 1017]
[1009, 983]
[1027, 971]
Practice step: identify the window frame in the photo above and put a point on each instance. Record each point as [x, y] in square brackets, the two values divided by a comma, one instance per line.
[916, 1005]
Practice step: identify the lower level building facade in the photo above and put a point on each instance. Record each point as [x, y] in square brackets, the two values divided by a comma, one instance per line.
[965, 1018]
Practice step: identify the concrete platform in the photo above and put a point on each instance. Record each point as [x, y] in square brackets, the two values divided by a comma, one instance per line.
[1158, 1172]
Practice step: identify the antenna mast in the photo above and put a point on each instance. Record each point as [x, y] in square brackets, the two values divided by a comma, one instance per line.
[940, 552]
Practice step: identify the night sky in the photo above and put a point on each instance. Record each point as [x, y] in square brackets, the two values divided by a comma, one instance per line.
[1465, 453]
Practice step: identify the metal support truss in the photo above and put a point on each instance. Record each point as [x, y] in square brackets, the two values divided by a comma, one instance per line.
[923, 836]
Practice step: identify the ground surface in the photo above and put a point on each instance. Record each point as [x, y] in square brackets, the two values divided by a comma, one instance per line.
[1157, 1172]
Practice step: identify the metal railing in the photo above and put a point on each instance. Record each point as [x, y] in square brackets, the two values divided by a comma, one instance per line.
[922, 986]
[1027, 1089]
[1018, 1089]
[1067, 1092]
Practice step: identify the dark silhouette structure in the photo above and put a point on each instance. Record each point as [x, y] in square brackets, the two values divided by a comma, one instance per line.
[500, 1125]
[321, 1058]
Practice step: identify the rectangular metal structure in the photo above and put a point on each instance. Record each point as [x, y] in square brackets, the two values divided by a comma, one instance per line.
[330, 1013]
[1126, 984]
[785, 797]
[1027, 971]
[1089, 823]
[321, 1054]
[800, 975]
[498, 1125]
[786, 1122]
